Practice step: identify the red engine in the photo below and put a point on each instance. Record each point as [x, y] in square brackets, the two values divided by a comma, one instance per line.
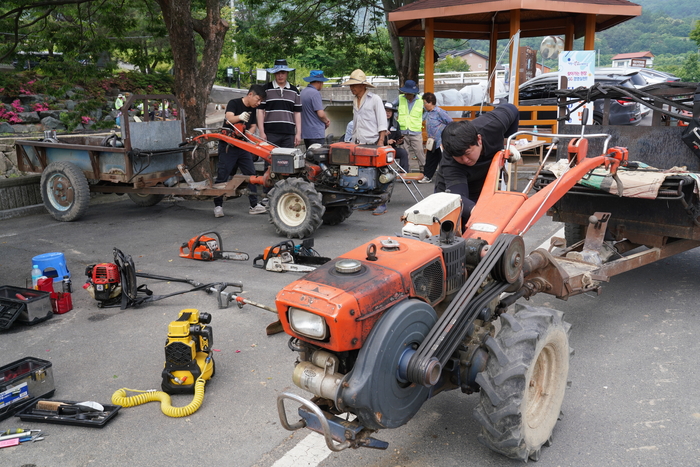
[103, 281]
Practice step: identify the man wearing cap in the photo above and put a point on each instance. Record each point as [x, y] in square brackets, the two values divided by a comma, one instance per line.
[369, 117]
[239, 111]
[279, 114]
[313, 116]
[410, 108]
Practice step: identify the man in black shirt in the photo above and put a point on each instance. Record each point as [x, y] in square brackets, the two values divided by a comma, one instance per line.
[468, 148]
[231, 158]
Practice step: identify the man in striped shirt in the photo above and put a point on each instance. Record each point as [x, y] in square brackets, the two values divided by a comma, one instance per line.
[279, 114]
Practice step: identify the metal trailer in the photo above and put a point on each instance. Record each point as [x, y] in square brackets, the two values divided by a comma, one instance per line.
[146, 161]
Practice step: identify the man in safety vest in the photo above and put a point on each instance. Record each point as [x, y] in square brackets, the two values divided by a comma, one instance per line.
[410, 110]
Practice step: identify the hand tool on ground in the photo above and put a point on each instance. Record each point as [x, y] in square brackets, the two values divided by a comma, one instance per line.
[286, 256]
[204, 247]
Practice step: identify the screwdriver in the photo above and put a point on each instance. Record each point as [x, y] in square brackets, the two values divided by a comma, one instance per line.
[13, 431]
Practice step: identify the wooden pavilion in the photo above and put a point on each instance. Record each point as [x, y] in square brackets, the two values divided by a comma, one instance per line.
[500, 19]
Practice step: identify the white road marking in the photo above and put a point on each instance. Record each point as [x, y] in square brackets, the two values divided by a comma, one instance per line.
[309, 452]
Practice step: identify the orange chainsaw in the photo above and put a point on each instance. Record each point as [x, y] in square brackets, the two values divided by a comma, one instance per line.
[206, 248]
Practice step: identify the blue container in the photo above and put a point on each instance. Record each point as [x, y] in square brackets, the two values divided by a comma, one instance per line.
[52, 265]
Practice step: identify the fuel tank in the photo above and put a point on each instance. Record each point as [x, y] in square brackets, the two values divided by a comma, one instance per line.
[351, 292]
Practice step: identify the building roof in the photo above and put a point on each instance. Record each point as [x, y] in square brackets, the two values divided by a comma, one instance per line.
[462, 53]
[474, 19]
[646, 54]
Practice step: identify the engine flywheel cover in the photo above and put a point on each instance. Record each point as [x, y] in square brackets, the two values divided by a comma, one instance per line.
[372, 390]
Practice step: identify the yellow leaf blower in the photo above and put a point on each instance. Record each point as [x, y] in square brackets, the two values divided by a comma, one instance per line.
[188, 365]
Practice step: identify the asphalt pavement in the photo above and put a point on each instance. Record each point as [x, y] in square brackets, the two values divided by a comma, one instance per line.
[633, 400]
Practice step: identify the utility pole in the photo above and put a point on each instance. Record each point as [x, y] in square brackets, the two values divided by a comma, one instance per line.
[233, 26]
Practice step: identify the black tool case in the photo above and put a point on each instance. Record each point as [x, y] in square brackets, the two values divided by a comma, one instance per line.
[35, 309]
[29, 414]
[22, 383]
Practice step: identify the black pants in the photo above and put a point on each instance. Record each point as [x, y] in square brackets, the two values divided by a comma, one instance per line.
[231, 159]
[280, 140]
[432, 161]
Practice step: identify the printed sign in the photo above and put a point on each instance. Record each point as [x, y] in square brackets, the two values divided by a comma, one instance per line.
[576, 69]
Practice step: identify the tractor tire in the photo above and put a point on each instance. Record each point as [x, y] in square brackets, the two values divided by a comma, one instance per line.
[574, 233]
[146, 200]
[296, 208]
[65, 191]
[523, 385]
[337, 214]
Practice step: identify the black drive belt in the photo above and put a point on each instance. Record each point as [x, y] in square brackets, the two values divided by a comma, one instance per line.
[444, 338]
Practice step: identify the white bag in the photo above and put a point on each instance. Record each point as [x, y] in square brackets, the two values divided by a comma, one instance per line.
[430, 144]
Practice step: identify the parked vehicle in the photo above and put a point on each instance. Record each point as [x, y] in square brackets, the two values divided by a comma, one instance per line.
[655, 76]
[540, 91]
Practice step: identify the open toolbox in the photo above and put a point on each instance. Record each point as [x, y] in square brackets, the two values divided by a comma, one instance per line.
[26, 306]
[23, 382]
[63, 416]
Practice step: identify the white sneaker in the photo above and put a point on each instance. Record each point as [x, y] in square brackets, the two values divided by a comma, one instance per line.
[424, 180]
[218, 211]
[258, 209]
[265, 202]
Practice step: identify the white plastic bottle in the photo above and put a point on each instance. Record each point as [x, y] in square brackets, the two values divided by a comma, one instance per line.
[36, 274]
[534, 137]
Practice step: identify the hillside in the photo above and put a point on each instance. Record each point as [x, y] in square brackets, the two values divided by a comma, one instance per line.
[674, 9]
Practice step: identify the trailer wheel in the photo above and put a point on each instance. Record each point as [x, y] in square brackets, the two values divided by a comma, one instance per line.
[336, 214]
[574, 233]
[296, 208]
[65, 191]
[146, 200]
[523, 386]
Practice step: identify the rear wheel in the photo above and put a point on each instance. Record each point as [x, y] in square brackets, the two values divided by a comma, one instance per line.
[336, 214]
[146, 200]
[522, 388]
[65, 191]
[296, 208]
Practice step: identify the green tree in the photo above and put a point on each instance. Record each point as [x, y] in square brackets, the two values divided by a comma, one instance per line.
[690, 71]
[451, 63]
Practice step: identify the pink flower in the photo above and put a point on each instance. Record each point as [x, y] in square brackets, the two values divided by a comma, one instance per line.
[41, 107]
[16, 104]
[86, 120]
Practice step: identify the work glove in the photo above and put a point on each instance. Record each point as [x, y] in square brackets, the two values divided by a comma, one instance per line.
[244, 117]
[514, 154]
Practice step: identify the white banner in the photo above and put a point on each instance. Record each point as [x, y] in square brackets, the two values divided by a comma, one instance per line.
[576, 69]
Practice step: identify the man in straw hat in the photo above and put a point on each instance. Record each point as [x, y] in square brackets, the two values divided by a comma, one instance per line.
[313, 115]
[369, 117]
[279, 114]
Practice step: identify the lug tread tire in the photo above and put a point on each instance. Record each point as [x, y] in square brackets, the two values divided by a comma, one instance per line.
[146, 200]
[516, 419]
[335, 215]
[312, 205]
[78, 187]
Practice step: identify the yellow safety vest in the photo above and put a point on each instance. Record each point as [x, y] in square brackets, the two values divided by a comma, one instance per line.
[412, 121]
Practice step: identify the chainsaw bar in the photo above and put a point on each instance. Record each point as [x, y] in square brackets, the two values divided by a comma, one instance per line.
[232, 255]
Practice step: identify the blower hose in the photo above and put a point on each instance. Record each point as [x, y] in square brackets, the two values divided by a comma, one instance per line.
[120, 398]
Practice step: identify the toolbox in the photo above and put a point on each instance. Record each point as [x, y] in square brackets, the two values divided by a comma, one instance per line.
[23, 382]
[89, 419]
[26, 306]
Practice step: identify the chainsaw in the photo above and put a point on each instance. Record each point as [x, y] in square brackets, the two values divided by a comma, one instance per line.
[286, 256]
[205, 248]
